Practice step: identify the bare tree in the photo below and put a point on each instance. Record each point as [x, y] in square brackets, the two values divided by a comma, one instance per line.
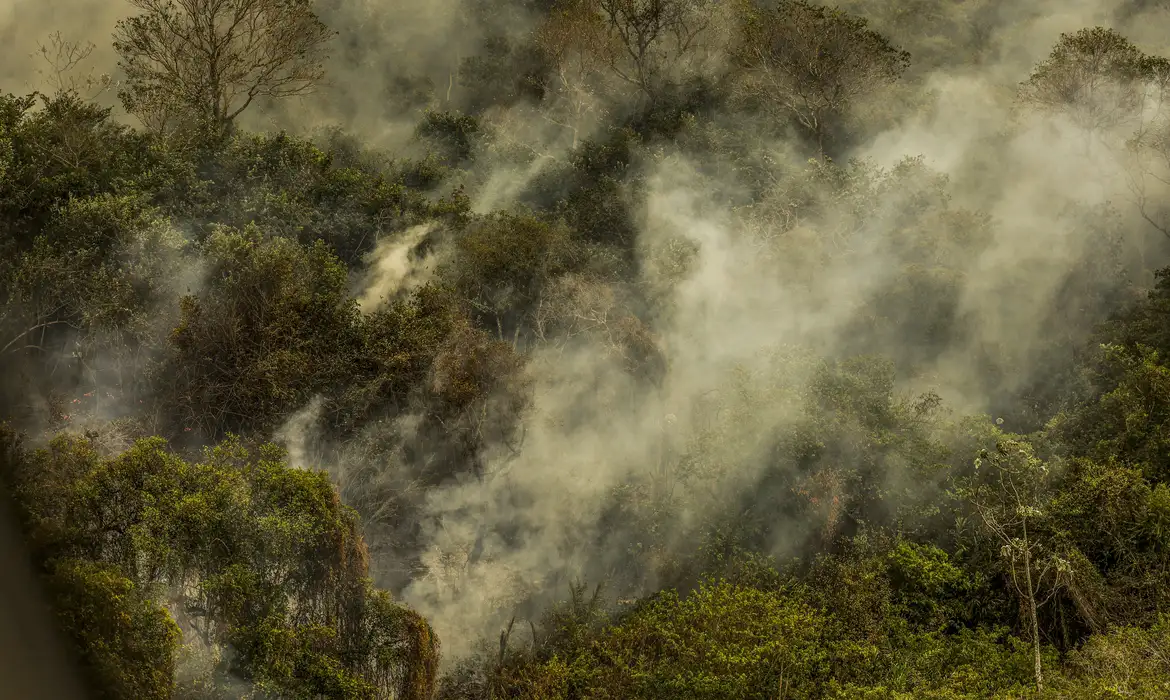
[1010, 496]
[208, 60]
[577, 45]
[63, 58]
[811, 62]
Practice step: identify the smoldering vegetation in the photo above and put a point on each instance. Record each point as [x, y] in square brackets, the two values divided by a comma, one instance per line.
[615, 348]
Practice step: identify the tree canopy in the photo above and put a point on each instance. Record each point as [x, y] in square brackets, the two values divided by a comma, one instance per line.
[585, 356]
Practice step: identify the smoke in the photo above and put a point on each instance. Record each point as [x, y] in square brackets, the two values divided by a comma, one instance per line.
[1008, 213]
[1052, 211]
[387, 63]
[593, 430]
[390, 269]
[203, 668]
[297, 432]
[26, 25]
[97, 380]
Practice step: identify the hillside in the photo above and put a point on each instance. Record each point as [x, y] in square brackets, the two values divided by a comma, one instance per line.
[592, 348]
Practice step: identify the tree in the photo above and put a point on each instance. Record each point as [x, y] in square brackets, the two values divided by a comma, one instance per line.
[506, 70]
[209, 60]
[1129, 420]
[272, 328]
[578, 305]
[63, 57]
[244, 550]
[126, 642]
[575, 43]
[1010, 496]
[1095, 77]
[646, 44]
[811, 63]
[1101, 82]
[504, 260]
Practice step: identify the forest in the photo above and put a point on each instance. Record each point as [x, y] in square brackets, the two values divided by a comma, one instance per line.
[591, 349]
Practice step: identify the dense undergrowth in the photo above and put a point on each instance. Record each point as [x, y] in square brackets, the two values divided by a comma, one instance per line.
[916, 442]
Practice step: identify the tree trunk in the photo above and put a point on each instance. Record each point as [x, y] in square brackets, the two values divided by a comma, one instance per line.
[1032, 609]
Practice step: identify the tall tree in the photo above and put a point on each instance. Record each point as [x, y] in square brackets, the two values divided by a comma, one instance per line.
[574, 40]
[1011, 496]
[1094, 77]
[1104, 85]
[211, 59]
[809, 62]
[646, 44]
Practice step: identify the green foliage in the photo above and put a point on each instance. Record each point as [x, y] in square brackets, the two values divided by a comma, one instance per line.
[69, 149]
[126, 642]
[718, 642]
[87, 260]
[452, 133]
[96, 278]
[1126, 662]
[1095, 76]
[1130, 418]
[937, 36]
[1116, 520]
[817, 524]
[848, 60]
[271, 328]
[402, 341]
[841, 449]
[587, 191]
[503, 73]
[1146, 322]
[930, 589]
[730, 640]
[247, 552]
[290, 187]
[504, 261]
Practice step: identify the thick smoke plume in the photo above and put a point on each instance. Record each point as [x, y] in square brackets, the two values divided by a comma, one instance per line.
[737, 310]
[591, 432]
